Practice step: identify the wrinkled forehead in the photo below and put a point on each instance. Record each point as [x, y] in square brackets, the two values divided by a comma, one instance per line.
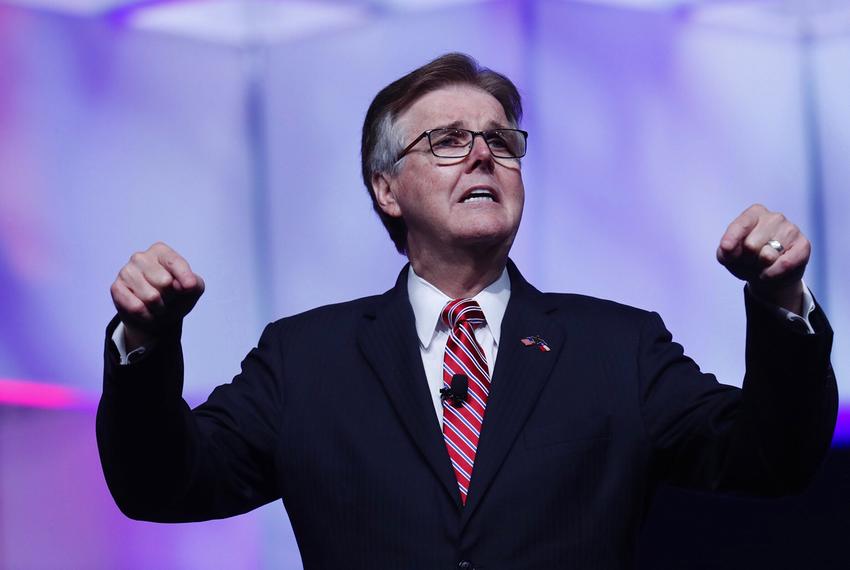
[463, 106]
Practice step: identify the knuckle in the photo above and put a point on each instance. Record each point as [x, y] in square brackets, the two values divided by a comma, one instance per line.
[135, 306]
[161, 247]
[126, 302]
[161, 281]
[751, 245]
[151, 297]
[137, 258]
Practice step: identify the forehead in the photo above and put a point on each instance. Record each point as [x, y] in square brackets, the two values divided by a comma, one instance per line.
[457, 105]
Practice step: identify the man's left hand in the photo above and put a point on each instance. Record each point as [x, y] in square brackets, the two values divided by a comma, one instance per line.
[774, 273]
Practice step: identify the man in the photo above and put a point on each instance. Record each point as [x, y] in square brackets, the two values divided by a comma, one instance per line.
[556, 415]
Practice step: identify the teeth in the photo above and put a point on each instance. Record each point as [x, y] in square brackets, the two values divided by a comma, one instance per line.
[479, 199]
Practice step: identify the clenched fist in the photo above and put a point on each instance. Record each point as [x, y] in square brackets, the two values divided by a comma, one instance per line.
[768, 252]
[153, 292]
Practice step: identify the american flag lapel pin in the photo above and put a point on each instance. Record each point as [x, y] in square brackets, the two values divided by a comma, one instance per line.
[535, 340]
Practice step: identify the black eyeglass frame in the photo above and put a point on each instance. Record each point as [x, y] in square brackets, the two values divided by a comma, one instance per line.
[469, 146]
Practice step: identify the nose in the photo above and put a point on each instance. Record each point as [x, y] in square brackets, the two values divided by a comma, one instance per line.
[480, 153]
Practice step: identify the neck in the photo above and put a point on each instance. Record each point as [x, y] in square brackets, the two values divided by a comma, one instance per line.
[462, 274]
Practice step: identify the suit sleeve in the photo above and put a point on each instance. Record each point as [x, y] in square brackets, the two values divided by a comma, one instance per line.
[167, 463]
[767, 438]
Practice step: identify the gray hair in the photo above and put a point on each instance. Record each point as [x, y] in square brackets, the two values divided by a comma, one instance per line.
[389, 143]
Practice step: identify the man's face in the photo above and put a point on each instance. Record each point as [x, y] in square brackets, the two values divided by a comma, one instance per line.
[431, 193]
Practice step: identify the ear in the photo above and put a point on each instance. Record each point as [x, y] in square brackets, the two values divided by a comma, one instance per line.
[384, 195]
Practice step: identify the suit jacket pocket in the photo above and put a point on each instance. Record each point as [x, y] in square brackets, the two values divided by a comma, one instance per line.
[572, 431]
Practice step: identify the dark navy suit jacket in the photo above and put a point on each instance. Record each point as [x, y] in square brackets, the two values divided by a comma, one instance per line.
[331, 413]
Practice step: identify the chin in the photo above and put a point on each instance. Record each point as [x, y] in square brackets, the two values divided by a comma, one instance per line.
[485, 239]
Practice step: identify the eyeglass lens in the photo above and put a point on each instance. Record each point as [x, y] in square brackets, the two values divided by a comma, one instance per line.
[457, 143]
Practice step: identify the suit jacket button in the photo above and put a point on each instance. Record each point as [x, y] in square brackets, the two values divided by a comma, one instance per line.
[465, 565]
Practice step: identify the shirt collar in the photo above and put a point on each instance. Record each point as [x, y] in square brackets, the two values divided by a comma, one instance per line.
[428, 302]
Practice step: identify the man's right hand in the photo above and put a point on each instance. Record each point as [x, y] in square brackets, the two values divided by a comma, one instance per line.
[153, 292]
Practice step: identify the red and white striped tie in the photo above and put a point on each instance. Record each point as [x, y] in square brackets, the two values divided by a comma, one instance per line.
[462, 424]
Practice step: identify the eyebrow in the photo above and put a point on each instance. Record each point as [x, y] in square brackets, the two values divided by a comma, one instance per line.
[460, 125]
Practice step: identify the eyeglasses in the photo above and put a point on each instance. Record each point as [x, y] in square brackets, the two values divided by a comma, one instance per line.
[457, 143]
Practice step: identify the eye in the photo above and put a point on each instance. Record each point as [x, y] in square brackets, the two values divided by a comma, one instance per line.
[505, 142]
[449, 138]
[496, 139]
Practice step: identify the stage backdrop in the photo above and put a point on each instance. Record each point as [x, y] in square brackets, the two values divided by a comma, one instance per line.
[650, 131]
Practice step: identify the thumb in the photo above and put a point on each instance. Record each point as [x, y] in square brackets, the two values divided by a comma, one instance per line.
[189, 283]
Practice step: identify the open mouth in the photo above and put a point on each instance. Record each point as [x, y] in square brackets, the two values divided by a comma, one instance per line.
[479, 195]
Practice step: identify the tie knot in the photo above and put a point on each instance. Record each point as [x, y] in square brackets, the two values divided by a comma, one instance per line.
[463, 310]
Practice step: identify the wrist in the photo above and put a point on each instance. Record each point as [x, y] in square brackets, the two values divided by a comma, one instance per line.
[789, 296]
[135, 337]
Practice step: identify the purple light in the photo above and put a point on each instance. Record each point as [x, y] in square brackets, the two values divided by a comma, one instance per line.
[842, 427]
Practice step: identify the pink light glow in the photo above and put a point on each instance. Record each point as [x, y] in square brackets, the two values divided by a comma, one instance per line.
[39, 395]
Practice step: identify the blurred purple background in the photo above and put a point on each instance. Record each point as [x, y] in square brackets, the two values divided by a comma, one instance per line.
[230, 130]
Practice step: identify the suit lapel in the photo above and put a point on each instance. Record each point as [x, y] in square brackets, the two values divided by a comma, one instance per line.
[519, 376]
[387, 337]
